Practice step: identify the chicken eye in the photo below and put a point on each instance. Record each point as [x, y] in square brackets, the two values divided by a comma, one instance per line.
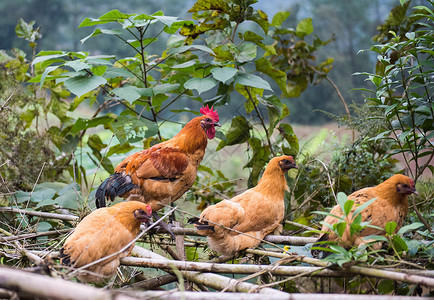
[208, 119]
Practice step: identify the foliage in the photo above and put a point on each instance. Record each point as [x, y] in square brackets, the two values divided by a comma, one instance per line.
[147, 84]
[27, 154]
[403, 87]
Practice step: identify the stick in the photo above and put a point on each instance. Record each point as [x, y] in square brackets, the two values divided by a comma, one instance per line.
[229, 268]
[208, 279]
[52, 288]
[171, 295]
[40, 214]
[33, 235]
[152, 283]
[409, 278]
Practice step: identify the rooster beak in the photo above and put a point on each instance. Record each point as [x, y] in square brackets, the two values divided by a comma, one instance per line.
[217, 124]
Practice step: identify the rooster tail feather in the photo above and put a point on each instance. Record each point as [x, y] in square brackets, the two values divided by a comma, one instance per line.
[116, 185]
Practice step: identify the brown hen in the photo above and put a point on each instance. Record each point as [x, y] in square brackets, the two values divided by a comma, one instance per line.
[161, 174]
[252, 215]
[104, 232]
[391, 204]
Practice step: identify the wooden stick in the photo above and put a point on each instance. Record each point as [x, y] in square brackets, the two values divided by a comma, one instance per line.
[53, 288]
[208, 279]
[278, 239]
[152, 283]
[409, 278]
[172, 295]
[230, 268]
[33, 235]
[40, 214]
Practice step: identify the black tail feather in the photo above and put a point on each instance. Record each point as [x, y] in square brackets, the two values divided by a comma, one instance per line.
[116, 185]
[204, 225]
[65, 259]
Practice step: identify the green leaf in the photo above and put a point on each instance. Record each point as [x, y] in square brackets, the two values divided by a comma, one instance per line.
[279, 18]
[83, 124]
[304, 27]
[399, 244]
[190, 47]
[101, 31]
[119, 149]
[200, 84]
[342, 199]
[238, 133]
[261, 156]
[390, 227]
[409, 227]
[264, 65]
[288, 134]
[80, 85]
[129, 129]
[129, 93]
[377, 238]
[246, 52]
[224, 74]
[164, 88]
[250, 36]
[260, 18]
[218, 5]
[348, 206]
[340, 228]
[43, 226]
[252, 80]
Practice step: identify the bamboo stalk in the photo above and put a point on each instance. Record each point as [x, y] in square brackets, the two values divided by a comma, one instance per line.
[397, 276]
[33, 235]
[230, 268]
[172, 295]
[53, 288]
[208, 279]
[40, 214]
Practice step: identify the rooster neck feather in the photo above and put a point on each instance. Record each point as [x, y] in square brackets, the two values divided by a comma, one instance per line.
[191, 138]
[387, 190]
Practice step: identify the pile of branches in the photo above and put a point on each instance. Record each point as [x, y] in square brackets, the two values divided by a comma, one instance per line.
[34, 271]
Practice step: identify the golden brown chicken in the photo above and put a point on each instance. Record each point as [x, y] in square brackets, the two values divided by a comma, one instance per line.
[104, 232]
[161, 174]
[256, 212]
[391, 204]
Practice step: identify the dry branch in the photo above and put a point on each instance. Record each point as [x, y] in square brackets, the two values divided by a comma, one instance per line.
[40, 214]
[53, 288]
[397, 276]
[33, 235]
[231, 268]
[278, 239]
[208, 279]
[171, 295]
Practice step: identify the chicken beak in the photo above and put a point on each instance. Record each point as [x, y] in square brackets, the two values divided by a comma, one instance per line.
[414, 191]
[217, 124]
[295, 166]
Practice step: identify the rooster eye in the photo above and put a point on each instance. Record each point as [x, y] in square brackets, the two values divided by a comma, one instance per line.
[208, 119]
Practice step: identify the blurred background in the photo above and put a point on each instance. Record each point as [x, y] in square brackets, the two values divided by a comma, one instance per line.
[351, 24]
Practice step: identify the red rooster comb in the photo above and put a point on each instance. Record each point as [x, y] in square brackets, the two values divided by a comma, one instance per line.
[205, 110]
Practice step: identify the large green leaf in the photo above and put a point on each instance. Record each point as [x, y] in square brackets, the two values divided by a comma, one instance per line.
[200, 84]
[264, 65]
[238, 133]
[252, 80]
[129, 93]
[164, 88]
[245, 52]
[101, 31]
[80, 85]
[82, 124]
[224, 74]
[129, 129]
[259, 159]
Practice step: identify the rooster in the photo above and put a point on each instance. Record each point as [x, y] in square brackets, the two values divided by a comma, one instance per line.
[161, 174]
[391, 204]
[104, 233]
[251, 215]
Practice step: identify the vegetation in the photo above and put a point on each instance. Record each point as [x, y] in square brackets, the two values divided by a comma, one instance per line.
[66, 117]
